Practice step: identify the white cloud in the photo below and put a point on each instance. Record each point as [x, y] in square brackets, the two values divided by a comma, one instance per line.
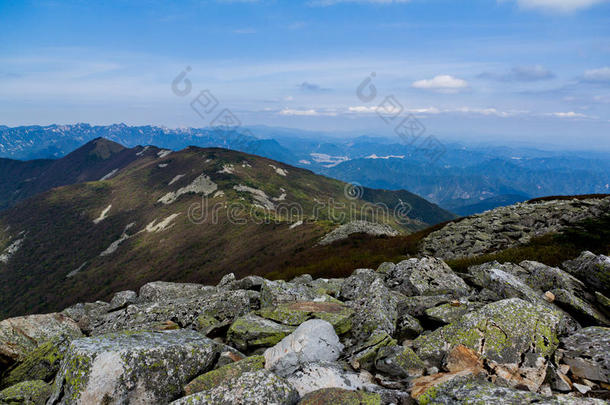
[441, 83]
[598, 75]
[569, 114]
[563, 6]
[289, 111]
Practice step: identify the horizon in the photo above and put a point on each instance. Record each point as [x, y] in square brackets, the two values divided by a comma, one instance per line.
[528, 72]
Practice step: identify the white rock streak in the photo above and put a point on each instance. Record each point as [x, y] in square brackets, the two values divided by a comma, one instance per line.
[109, 175]
[201, 185]
[258, 195]
[115, 245]
[103, 215]
[161, 226]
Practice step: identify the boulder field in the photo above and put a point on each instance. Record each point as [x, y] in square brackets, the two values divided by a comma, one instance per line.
[413, 332]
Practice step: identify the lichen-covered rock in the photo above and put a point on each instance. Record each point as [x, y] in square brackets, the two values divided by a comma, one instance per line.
[375, 312]
[163, 290]
[295, 313]
[359, 226]
[21, 335]
[451, 312]
[340, 396]
[218, 309]
[40, 364]
[88, 314]
[592, 269]
[33, 392]
[541, 277]
[314, 376]
[251, 331]
[313, 341]
[426, 276]
[502, 332]
[247, 283]
[250, 388]
[226, 280]
[131, 367]
[364, 355]
[467, 390]
[357, 284]
[399, 361]
[221, 375]
[603, 302]
[122, 299]
[386, 268]
[329, 286]
[278, 292]
[580, 309]
[587, 352]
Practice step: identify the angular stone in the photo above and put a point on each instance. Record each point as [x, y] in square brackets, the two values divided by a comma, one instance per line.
[250, 331]
[386, 268]
[21, 335]
[364, 355]
[407, 327]
[251, 388]
[587, 352]
[128, 367]
[329, 286]
[502, 332]
[33, 392]
[339, 396]
[399, 361]
[122, 299]
[417, 305]
[247, 283]
[221, 375]
[296, 313]
[87, 315]
[545, 278]
[375, 312]
[314, 376]
[226, 280]
[313, 341]
[357, 284]
[593, 270]
[580, 309]
[40, 364]
[163, 290]
[426, 276]
[504, 284]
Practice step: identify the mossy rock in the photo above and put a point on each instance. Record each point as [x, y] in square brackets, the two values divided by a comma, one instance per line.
[40, 364]
[399, 361]
[221, 375]
[448, 313]
[252, 331]
[33, 392]
[339, 396]
[296, 313]
[501, 331]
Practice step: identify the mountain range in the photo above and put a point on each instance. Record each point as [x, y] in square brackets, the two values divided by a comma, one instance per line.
[465, 179]
[106, 217]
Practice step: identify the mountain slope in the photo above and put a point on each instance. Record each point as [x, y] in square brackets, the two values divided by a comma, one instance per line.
[87, 240]
[92, 161]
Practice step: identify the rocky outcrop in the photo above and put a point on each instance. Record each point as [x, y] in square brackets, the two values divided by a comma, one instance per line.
[510, 226]
[594, 270]
[370, 228]
[409, 331]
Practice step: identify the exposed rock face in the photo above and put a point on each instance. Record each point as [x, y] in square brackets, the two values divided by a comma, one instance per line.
[587, 352]
[20, 335]
[370, 228]
[408, 331]
[123, 368]
[252, 388]
[510, 226]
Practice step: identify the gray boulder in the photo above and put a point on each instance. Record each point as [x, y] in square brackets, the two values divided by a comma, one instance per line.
[278, 292]
[20, 335]
[417, 305]
[87, 315]
[426, 276]
[340, 396]
[315, 376]
[375, 312]
[131, 368]
[313, 341]
[399, 361]
[407, 327]
[580, 309]
[33, 392]
[593, 270]
[501, 332]
[587, 352]
[250, 388]
[247, 283]
[504, 284]
[250, 332]
[122, 299]
[545, 278]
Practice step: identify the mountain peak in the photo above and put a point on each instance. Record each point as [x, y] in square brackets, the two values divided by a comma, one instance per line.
[102, 148]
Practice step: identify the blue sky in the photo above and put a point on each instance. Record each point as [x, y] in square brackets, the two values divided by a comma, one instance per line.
[529, 71]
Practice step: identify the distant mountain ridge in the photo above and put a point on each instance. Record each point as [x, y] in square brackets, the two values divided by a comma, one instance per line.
[465, 179]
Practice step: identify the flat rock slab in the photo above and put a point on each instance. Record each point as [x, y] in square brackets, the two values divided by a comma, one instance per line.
[339, 396]
[296, 313]
[587, 352]
[131, 367]
[20, 335]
